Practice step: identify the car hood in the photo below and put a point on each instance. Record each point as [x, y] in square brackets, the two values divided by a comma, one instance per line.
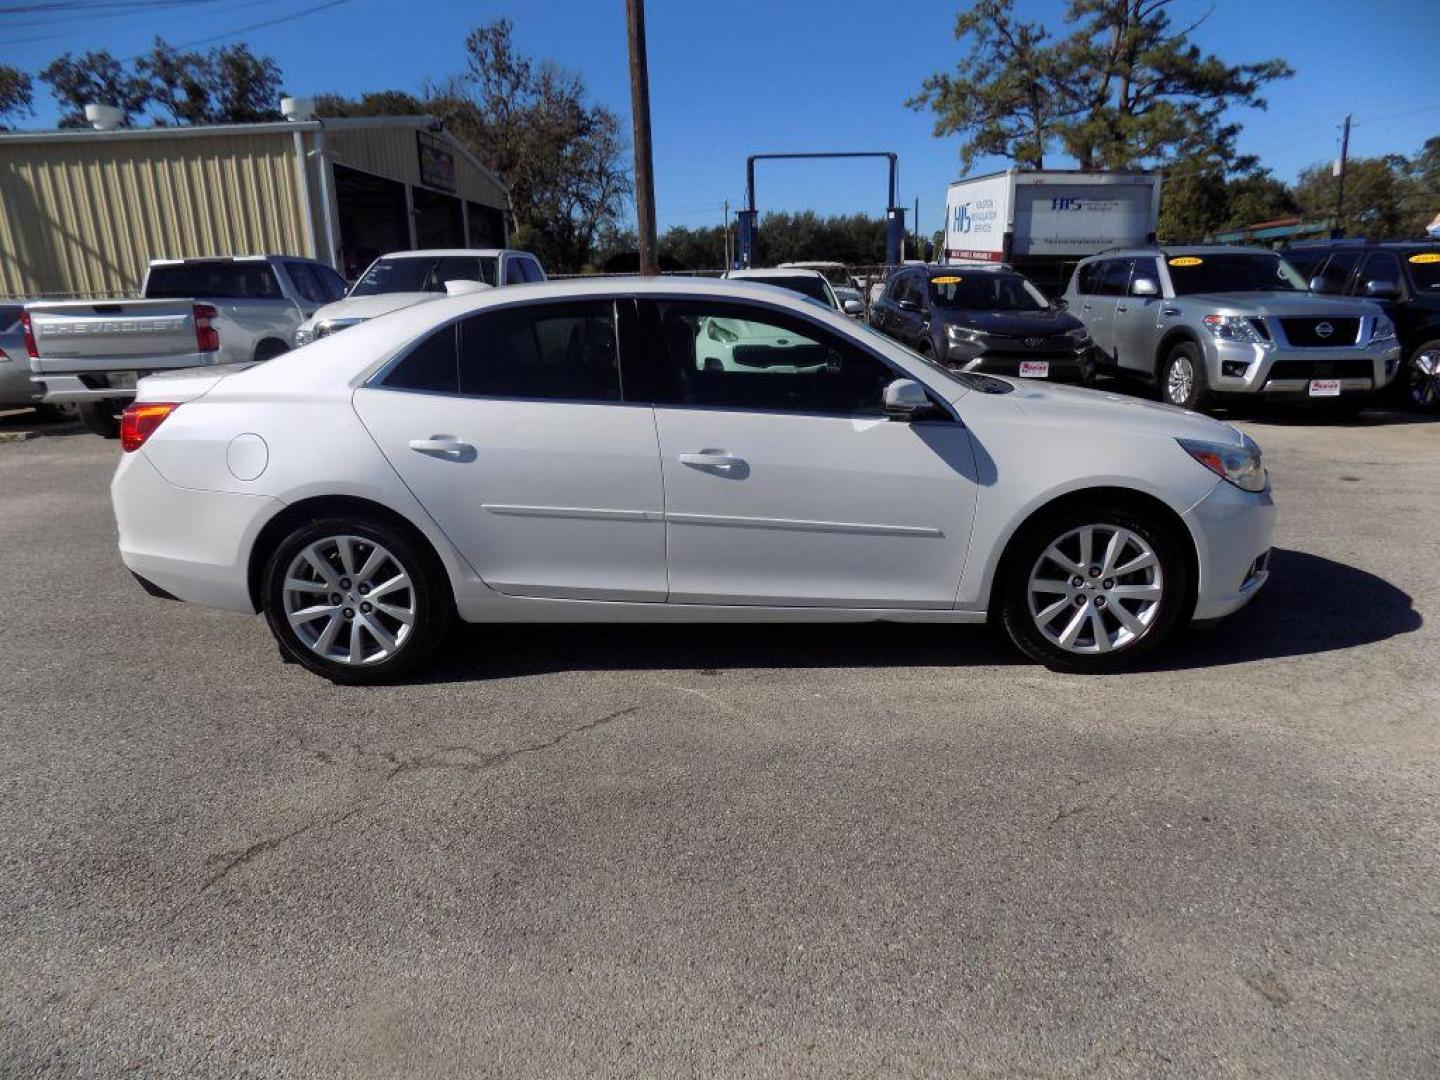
[369, 307]
[1073, 407]
[1050, 321]
[1281, 304]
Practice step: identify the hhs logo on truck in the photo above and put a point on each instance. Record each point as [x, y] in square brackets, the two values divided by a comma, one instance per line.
[1067, 202]
[962, 218]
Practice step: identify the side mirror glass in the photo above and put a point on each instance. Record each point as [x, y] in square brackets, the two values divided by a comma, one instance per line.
[908, 305]
[854, 307]
[905, 399]
[1318, 284]
[1144, 287]
[1383, 290]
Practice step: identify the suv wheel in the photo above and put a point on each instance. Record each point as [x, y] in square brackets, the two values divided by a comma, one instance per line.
[1093, 589]
[1182, 378]
[355, 600]
[1421, 378]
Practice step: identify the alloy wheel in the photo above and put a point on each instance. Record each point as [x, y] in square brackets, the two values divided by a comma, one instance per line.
[349, 600]
[1095, 589]
[1180, 380]
[1424, 379]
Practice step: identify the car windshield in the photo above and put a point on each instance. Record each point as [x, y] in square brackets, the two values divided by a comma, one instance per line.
[1240, 271]
[423, 274]
[1425, 270]
[985, 291]
[804, 284]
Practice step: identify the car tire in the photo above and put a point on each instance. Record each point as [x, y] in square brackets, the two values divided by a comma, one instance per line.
[356, 630]
[1420, 389]
[1061, 627]
[269, 349]
[1182, 378]
[101, 418]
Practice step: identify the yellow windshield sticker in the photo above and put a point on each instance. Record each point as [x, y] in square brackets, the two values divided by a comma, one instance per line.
[1426, 257]
[951, 280]
[1186, 260]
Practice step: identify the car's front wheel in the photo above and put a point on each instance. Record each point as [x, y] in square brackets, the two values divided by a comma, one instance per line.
[1421, 378]
[355, 599]
[1182, 378]
[1094, 590]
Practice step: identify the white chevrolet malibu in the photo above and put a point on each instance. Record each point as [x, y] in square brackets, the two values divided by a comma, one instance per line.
[617, 451]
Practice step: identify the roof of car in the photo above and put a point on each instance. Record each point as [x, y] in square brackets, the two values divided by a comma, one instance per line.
[1360, 245]
[1170, 251]
[772, 272]
[431, 253]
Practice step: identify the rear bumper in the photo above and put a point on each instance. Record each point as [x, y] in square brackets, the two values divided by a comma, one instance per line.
[1233, 530]
[72, 390]
[205, 562]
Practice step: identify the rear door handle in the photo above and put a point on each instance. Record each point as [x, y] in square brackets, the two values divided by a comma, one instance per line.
[446, 445]
[1121, 307]
[1085, 307]
[711, 459]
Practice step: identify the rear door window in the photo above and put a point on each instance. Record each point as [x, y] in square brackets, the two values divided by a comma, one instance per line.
[1087, 279]
[565, 352]
[430, 366]
[1337, 270]
[1114, 277]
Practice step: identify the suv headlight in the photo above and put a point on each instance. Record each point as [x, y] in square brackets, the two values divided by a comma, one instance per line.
[1384, 330]
[1079, 337]
[304, 336]
[1241, 465]
[964, 335]
[1237, 328]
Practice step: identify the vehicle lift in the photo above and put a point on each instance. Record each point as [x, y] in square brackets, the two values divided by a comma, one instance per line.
[749, 220]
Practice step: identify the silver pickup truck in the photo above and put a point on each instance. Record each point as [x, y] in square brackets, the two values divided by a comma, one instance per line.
[192, 312]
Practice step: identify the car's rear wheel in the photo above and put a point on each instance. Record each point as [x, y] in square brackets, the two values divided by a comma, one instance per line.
[1421, 378]
[102, 418]
[1182, 378]
[355, 599]
[1094, 590]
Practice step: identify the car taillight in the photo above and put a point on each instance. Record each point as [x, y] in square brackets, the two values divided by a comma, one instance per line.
[139, 421]
[30, 349]
[207, 338]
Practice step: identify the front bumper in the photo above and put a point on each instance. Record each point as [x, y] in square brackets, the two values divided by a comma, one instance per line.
[1232, 530]
[1285, 372]
[204, 562]
[1072, 366]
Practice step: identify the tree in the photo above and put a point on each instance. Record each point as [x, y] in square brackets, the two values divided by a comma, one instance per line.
[17, 94]
[246, 87]
[1376, 191]
[94, 78]
[561, 157]
[374, 103]
[1123, 90]
[180, 83]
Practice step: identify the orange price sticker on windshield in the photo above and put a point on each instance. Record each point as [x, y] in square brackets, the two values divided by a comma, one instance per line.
[951, 280]
[1426, 257]
[1186, 260]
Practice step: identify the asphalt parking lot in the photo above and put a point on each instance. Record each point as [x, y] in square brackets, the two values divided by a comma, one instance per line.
[723, 851]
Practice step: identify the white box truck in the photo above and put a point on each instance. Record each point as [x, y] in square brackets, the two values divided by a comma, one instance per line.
[1043, 222]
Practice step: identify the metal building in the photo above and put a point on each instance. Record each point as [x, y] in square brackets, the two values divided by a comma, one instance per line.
[82, 211]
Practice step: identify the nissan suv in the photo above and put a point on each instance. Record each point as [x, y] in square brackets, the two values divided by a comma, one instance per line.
[1211, 322]
[1404, 279]
[986, 319]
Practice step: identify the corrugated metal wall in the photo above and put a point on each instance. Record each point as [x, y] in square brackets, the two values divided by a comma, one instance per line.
[82, 217]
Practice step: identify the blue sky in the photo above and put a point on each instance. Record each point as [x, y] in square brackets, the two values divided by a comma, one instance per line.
[733, 77]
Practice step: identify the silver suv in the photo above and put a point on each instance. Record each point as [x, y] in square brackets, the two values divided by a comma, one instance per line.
[1206, 322]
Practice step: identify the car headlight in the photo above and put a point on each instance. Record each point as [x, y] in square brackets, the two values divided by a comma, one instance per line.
[1241, 465]
[1237, 328]
[1384, 330]
[963, 335]
[304, 336]
[1079, 338]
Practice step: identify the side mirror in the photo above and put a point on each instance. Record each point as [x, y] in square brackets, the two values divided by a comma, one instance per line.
[853, 307]
[1144, 287]
[1318, 284]
[907, 305]
[905, 399]
[1382, 290]
[1062, 303]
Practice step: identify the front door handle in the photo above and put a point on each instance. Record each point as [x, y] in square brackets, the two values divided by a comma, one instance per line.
[1084, 307]
[711, 459]
[446, 445]
[1121, 307]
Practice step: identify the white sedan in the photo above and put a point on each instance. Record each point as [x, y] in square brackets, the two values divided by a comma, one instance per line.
[563, 453]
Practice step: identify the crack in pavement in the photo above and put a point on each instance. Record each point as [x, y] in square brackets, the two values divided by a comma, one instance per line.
[437, 759]
[1061, 813]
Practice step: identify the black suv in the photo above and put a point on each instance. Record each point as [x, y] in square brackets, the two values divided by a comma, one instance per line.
[1404, 279]
[983, 318]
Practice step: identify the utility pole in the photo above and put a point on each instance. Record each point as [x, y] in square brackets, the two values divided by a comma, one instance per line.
[644, 162]
[727, 235]
[915, 228]
[1344, 157]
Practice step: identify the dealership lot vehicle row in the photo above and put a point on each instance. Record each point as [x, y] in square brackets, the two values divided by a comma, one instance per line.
[660, 848]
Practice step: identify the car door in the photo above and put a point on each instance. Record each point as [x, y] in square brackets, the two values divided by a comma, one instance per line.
[1136, 319]
[785, 484]
[1097, 309]
[510, 428]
